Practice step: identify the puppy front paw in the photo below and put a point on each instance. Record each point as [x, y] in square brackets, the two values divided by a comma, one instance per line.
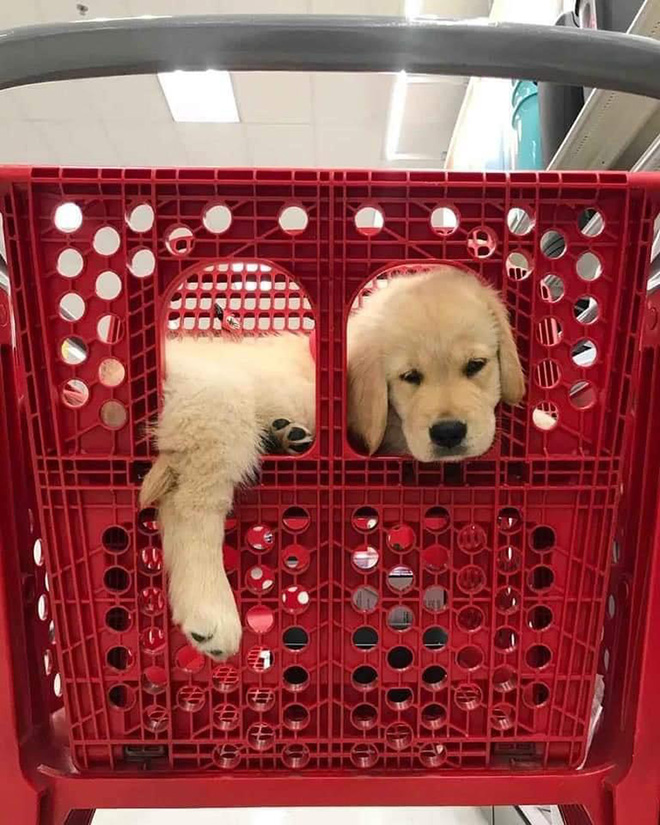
[287, 438]
[210, 621]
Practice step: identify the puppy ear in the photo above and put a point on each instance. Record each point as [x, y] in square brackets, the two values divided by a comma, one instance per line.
[367, 391]
[160, 479]
[511, 374]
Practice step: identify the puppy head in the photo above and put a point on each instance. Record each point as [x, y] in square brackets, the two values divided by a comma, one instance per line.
[436, 348]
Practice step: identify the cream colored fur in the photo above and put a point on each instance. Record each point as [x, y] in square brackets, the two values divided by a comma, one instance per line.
[221, 395]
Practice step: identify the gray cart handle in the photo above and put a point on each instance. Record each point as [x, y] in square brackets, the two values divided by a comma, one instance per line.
[100, 48]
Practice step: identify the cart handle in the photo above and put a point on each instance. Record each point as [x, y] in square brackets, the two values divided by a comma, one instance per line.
[101, 48]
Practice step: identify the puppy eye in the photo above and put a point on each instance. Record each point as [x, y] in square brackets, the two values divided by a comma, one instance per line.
[412, 377]
[474, 365]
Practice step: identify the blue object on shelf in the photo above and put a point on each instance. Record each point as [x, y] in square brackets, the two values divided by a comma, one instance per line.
[527, 133]
[521, 89]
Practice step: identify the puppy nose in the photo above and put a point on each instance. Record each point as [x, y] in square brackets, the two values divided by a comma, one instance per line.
[448, 433]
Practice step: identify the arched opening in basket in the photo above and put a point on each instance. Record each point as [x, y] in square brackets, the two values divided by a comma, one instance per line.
[230, 301]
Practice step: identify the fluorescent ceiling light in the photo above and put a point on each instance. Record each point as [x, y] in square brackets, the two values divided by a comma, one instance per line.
[200, 97]
[395, 115]
[413, 9]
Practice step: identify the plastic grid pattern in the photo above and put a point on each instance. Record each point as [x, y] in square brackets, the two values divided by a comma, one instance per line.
[504, 588]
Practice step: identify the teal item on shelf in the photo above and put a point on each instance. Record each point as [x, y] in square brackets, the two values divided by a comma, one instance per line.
[527, 133]
[521, 89]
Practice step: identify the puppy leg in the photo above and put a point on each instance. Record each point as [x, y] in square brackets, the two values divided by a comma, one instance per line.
[287, 438]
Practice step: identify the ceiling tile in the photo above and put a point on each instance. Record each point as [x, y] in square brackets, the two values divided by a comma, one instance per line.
[214, 144]
[435, 101]
[137, 99]
[79, 144]
[61, 100]
[430, 140]
[273, 97]
[383, 8]
[136, 146]
[342, 147]
[457, 8]
[18, 14]
[351, 98]
[25, 143]
[281, 145]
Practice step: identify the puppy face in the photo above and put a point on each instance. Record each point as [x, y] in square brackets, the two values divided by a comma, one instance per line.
[434, 354]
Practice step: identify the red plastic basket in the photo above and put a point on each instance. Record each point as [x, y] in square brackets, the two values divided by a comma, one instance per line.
[399, 617]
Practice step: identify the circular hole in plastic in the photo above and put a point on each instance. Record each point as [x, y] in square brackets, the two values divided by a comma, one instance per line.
[189, 659]
[296, 717]
[121, 697]
[151, 560]
[116, 580]
[365, 519]
[435, 598]
[470, 657]
[508, 600]
[541, 578]
[436, 519]
[75, 393]
[400, 578]
[586, 310]
[260, 537]
[147, 521]
[536, 695]
[538, 656]
[470, 618]
[472, 538]
[115, 539]
[518, 266]
[106, 241]
[224, 678]
[42, 608]
[553, 244]
[261, 699]
[226, 717]
[70, 263]
[589, 267]
[38, 553]
[140, 217]
[401, 538]
[296, 519]
[547, 374]
[364, 755]
[519, 221]
[434, 677]
[584, 353]
[471, 579]
[543, 538]
[400, 618]
[260, 619]
[552, 288]
[399, 698]
[179, 241]
[260, 659]
[364, 717]
[156, 718]
[73, 350]
[504, 679]
[296, 678]
[71, 307]
[434, 716]
[365, 599]
[369, 220]
[509, 560]
[111, 372]
[260, 579]
[109, 329]
[154, 679]
[108, 285]
[365, 638]
[118, 619]
[293, 220]
[295, 599]
[433, 754]
[545, 416]
[582, 395]
[295, 558]
[68, 217]
[119, 658]
[590, 222]
[509, 520]
[217, 218]
[295, 638]
[365, 677]
[295, 755]
[481, 242]
[365, 558]
[503, 717]
[398, 736]
[549, 331]
[435, 558]
[468, 697]
[539, 617]
[142, 263]
[444, 220]
[226, 756]
[435, 638]
[611, 606]
[506, 639]
[152, 640]
[260, 736]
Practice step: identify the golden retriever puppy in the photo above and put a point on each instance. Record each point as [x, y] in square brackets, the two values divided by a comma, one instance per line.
[429, 358]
